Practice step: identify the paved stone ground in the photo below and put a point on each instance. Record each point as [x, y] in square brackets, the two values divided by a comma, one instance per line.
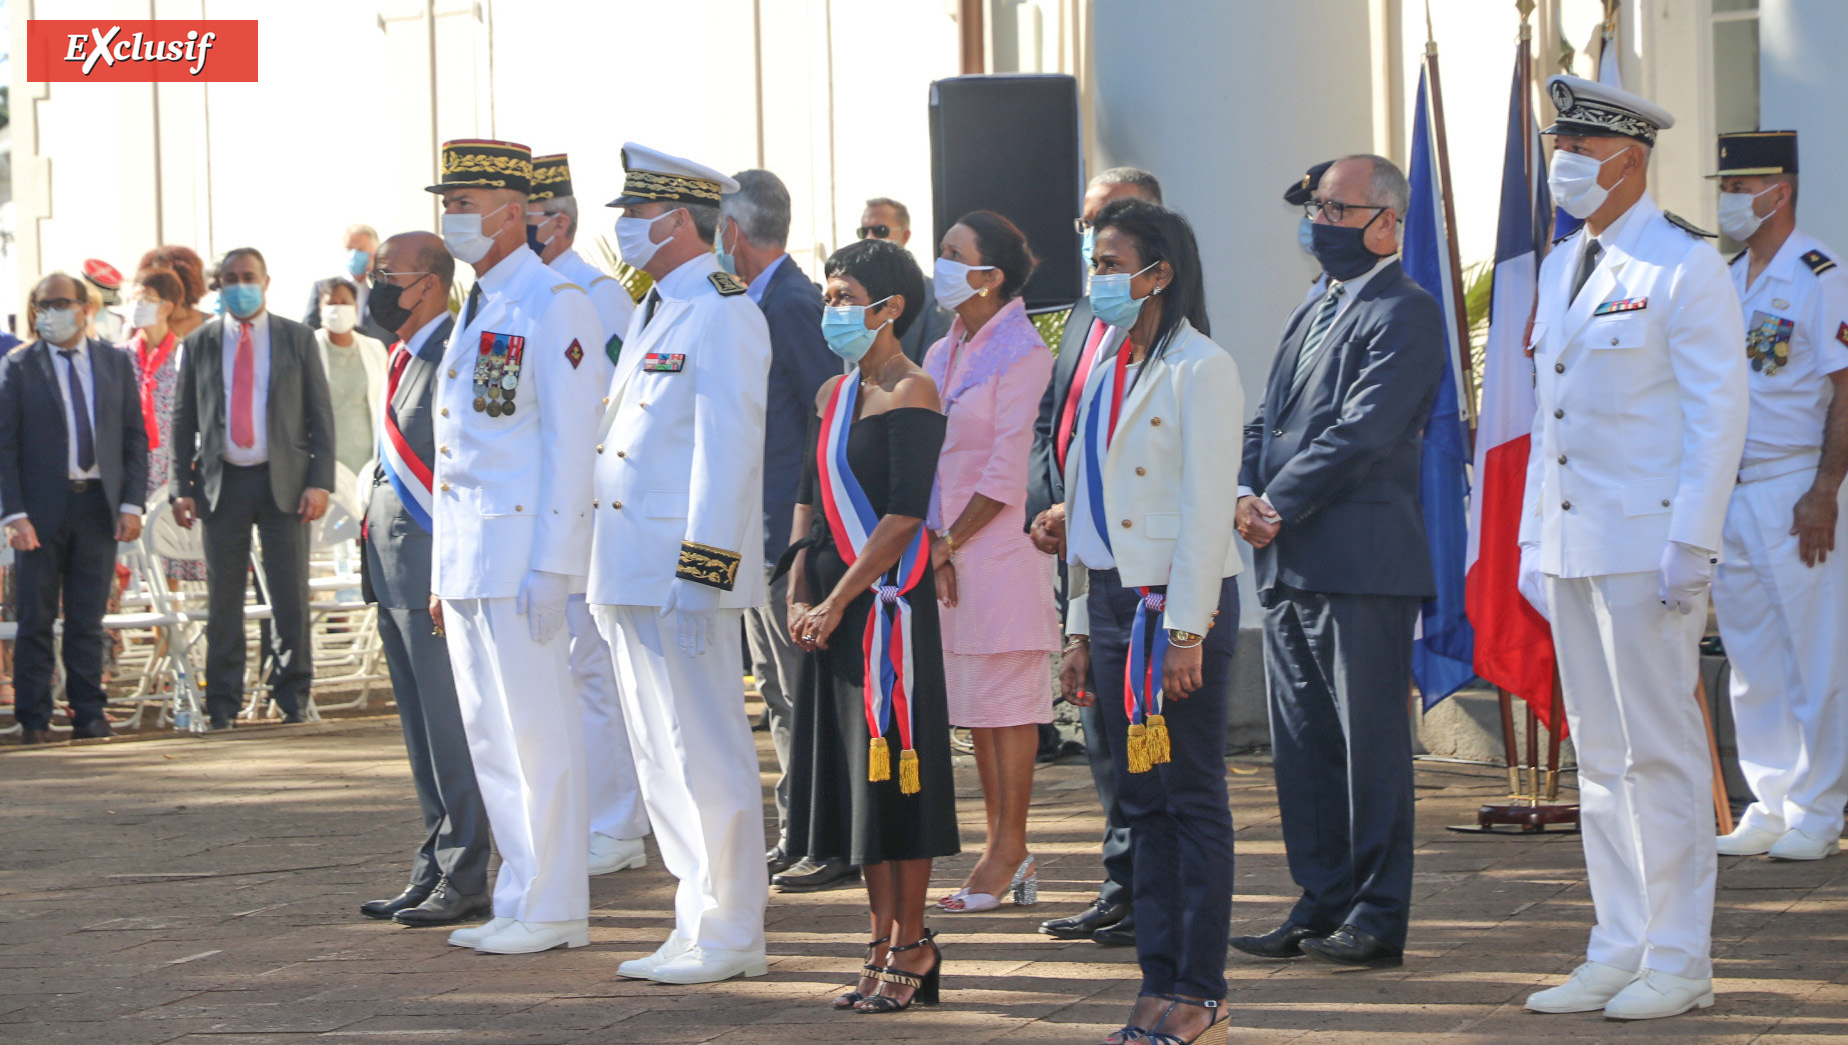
[203, 890]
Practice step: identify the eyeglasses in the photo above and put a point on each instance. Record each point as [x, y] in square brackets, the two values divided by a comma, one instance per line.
[1335, 209]
[380, 275]
[875, 231]
[54, 304]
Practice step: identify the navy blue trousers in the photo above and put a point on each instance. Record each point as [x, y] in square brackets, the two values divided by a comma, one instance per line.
[1180, 825]
[1340, 674]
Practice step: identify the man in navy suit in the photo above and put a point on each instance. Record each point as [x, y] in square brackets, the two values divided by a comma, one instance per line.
[1329, 498]
[752, 234]
[73, 481]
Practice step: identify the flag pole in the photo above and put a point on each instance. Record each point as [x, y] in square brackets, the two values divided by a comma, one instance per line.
[1467, 393]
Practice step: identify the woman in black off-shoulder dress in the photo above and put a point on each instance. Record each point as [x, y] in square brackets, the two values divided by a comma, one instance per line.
[875, 290]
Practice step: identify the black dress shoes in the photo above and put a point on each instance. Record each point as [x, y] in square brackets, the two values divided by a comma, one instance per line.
[1356, 949]
[809, 875]
[410, 897]
[445, 904]
[1285, 941]
[1122, 934]
[34, 736]
[95, 729]
[778, 860]
[294, 718]
[1102, 914]
[222, 724]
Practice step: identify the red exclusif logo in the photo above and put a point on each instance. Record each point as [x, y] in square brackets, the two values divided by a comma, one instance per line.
[146, 51]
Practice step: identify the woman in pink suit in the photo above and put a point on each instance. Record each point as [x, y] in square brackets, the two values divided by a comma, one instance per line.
[999, 623]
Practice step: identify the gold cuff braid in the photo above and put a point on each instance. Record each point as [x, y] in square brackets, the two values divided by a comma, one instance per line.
[704, 564]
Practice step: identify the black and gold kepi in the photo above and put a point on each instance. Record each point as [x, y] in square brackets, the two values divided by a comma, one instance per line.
[1302, 190]
[1750, 153]
[551, 177]
[1587, 107]
[652, 176]
[478, 163]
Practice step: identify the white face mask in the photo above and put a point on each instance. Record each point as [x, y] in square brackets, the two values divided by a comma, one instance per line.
[339, 319]
[462, 235]
[1573, 180]
[147, 313]
[56, 325]
[633, 238]
[950, 279]
[1737, 219]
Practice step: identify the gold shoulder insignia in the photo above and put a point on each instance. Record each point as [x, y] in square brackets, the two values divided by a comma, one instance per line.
[1818, 262]
[603, 279]
[1687, 226]
[726, 284]
[569, 286]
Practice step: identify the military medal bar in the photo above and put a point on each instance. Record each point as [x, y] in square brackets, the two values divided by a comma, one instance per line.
[497, 372]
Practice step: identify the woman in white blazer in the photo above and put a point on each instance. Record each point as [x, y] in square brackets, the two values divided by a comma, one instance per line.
[355, 367]
[1151, 484]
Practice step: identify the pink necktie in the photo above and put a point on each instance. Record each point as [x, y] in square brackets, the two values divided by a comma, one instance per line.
[243, 383]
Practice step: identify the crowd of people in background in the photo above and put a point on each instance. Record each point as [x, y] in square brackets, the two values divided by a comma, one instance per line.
[582, 509]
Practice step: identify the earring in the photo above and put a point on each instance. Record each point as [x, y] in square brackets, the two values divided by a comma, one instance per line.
[982, 292]
[1157, 290]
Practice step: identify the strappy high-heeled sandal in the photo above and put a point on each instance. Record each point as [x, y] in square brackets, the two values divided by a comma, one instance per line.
[924, 987]
[1023, 889]
[1213, 1034]
[1129, 1033]
[854, 997]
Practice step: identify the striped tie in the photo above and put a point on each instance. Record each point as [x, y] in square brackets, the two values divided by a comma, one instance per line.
[1318, 332]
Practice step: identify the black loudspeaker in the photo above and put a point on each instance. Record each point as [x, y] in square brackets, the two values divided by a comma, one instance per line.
[1010, 144]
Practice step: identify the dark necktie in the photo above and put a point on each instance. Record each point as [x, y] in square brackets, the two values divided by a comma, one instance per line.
[80, 409]
[1318, 332]
[648, 306]
[1588, 263]
[474, 304]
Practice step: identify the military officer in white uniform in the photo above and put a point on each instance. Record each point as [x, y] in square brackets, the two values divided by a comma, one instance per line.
[1641, 397]
[677, 558]
[618, 822]
[1781, 593]
[514, 428]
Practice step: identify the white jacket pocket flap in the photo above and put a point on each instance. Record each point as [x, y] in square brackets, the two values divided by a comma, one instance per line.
[665, 504]
[509, 500]
[1162, 526]
[1649, 496]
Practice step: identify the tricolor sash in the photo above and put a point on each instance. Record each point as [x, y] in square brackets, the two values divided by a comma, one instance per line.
[1148, 640]
[409, 476]
[886, 643]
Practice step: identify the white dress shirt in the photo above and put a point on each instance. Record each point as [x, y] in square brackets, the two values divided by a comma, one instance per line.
[87, 377]
[258, 452]
[1790, 402]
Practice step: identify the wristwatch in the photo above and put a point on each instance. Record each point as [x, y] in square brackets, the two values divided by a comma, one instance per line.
[1184, 639]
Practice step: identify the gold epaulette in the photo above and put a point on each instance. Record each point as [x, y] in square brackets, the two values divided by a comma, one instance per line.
[569, 286]
[602, 279]
[1818, 262]
[704, 564]
[726, 284]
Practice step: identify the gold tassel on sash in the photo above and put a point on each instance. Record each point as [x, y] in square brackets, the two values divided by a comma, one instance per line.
[908, 772]
[1139, 749]
[878, 761]
[1158, 740]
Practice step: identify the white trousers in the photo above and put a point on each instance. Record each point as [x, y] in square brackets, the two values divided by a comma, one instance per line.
[1627, 666]
[524, 735]
[1785, 626]
[615, 795]
[698, 769]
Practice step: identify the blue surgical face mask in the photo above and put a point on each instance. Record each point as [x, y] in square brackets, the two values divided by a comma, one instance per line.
[725, 259]
[1305, 236]
[1086, 246]
[242, 299]
[356, 262]
[845, 328]
[1111, 300]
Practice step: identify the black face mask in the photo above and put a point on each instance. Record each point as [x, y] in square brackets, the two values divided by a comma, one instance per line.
[383, 304]
[1342, 249]
[533, 240]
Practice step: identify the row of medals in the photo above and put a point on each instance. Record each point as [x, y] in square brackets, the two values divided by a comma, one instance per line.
[495, 384]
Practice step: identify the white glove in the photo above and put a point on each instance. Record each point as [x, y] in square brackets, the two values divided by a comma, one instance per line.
[696, 605]
[1532, 582]
[542, 602]
[1686, 573]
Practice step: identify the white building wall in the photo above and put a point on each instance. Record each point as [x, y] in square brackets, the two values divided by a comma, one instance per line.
[1801, 49]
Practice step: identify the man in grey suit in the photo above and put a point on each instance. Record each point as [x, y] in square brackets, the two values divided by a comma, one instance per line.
[73, 479]
[1329, 498]
[886, 218]
[253, 439]
[449, 875]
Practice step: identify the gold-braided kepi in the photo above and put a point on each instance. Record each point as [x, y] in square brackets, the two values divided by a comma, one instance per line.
[480, 163]
[1757, 152]
[652, 176]
[551, 177]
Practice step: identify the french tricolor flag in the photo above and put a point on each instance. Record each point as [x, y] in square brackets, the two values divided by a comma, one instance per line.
[1514, 645]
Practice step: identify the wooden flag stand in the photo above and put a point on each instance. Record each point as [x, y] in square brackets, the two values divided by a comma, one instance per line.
[1531, 808]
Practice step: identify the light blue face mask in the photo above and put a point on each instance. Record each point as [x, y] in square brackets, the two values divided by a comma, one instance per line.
[726, 262]
[845, 328]
[1111, 300]
[1305, 236]
[356, 262]
[243, 299]
[1086, 246]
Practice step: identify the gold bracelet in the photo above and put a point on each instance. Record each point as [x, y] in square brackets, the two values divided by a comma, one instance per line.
[1072, 642]
[949, 541]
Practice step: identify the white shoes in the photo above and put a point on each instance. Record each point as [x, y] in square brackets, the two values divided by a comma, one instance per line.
[1655, 994]
[1590, 987]
[643, 968]
[469, 936]
[532, 937]
[608, 854]
[1747, 841]
[1800, 845]
[709, 965]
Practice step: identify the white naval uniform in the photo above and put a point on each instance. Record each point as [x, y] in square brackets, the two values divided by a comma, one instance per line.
[513, 494]
[616, 809]
[680, 462]
[1785, 625]
[1640, 418]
